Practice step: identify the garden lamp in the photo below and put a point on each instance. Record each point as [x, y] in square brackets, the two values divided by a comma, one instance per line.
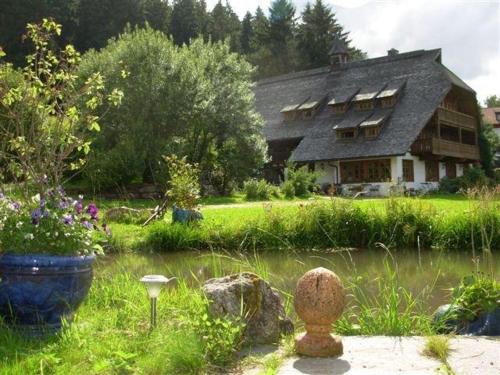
[153, 284]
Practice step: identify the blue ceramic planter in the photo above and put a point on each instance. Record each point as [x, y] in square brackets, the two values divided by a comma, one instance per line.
[38, 291]
[180, 215]
[486, 324]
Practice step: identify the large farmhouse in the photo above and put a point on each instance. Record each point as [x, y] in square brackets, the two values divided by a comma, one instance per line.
[402, 121]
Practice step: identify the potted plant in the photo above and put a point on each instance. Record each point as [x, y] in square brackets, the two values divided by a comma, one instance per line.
[48, 118]
[46, 263]
[184, 189]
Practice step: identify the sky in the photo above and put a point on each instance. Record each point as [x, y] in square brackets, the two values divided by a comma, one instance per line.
[467, 31]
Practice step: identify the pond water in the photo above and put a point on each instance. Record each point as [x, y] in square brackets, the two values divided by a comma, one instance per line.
[429, 276]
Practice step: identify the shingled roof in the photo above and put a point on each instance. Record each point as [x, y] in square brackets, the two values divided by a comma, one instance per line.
[418, 78]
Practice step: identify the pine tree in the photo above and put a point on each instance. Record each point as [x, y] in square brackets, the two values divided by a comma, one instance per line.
[185, 22]
[260, 27]
[157, 14]
[316, 33]
[99, 20]
[246, 33]
[281, 25]
[224, 23]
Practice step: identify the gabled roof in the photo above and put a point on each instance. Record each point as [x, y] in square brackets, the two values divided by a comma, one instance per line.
[418, 76]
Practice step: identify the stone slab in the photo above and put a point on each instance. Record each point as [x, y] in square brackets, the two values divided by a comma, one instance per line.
[400, 355]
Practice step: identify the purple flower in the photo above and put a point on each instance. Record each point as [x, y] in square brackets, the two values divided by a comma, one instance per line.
[2, 195]
[16, 205]
[87, 224]
[79, 207]
[68, 219]
[63, 204]
[35, 216]
[43, 202]
[92, 211]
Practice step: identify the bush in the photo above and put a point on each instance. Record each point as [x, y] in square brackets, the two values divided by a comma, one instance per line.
[473, 177]
[288, 189]
[304, 182]
[259, 190]
[449, 185]
[184, 185]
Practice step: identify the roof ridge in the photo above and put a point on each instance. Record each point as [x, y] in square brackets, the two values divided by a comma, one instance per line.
[351, 64]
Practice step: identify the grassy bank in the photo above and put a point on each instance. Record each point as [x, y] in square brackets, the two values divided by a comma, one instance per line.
[110, 334]
[397, 223]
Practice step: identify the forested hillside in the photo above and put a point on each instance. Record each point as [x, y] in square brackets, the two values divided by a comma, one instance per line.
[277, 40]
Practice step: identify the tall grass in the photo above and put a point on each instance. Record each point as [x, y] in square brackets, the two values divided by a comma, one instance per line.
[390, 309]
[340, 223]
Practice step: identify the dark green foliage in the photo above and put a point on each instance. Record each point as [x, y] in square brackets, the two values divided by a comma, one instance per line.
[489, 143]
[246, 34]
[304, 181]
[192, 101]
[186, 23]
[472, 177]
[224, 23]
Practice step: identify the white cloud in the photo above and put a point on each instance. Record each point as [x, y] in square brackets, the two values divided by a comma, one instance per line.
[468, 31]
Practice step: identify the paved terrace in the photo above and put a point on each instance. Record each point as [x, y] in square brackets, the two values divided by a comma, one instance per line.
[378, 355]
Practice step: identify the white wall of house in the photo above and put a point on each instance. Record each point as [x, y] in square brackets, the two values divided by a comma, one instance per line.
[330, 170]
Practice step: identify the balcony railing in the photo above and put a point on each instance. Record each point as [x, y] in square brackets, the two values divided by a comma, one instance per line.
[443, 147]
[456, 118]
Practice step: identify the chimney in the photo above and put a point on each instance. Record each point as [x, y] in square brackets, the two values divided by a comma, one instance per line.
[392, 52]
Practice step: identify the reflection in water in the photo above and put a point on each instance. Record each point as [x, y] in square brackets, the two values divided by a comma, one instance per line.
[438, 273]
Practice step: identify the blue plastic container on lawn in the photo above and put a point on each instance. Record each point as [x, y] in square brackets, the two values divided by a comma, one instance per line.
[38, 291]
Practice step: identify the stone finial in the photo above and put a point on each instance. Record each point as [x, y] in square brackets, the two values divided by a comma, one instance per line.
[319, 301]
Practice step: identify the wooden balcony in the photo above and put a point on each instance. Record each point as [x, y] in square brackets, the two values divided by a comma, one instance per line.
[456, 118]
[441, 147]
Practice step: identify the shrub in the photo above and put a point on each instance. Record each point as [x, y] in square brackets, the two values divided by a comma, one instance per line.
[258, 190]
[449, 185]
[288, 189]
[304, 182]
[473, 177]
[184, 185]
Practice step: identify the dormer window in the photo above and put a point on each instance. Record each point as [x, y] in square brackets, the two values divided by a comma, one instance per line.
[364, 105]
[364, 101]
[310, 107]
[290, 112]
[372, 131]
[347, 133]
[373, 125]
[339, 108]
[389, 96]
[341, 99]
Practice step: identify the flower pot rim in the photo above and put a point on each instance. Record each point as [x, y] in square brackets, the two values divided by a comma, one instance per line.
[39, 259]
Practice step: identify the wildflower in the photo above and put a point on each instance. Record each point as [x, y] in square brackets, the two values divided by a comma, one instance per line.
[79, 207]
[29, 236]
[19, 224]
[92, 211]
[36, 216]
[63, 204]
[2, 195]
[68, 219]
[87, 224]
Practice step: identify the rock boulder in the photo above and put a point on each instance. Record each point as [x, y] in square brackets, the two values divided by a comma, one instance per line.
[262, 307]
